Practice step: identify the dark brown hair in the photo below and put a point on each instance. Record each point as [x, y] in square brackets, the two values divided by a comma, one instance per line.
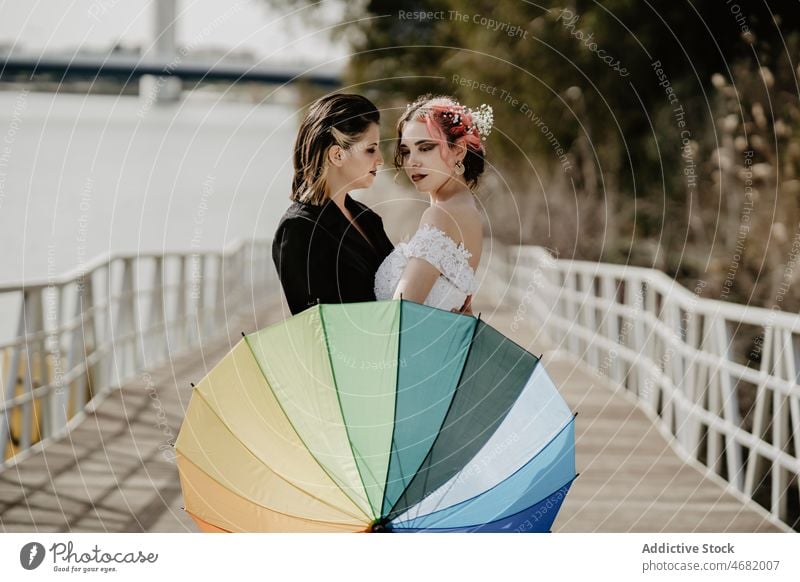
[340, 119]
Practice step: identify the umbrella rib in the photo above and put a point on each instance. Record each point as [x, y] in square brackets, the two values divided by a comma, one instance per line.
[394, 424]
[256, 503]
[281, 477]
[366, 467]
[299, 436]
[525, 464]
[399, 466]
[341, 412]
[441, 425]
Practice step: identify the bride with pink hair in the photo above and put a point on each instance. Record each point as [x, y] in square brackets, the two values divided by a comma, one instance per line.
[440, 147]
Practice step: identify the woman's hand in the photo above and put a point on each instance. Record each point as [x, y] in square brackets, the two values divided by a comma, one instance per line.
[466, 308]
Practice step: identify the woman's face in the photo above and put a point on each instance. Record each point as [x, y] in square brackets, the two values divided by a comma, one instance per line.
[427, 161]
[362, 160]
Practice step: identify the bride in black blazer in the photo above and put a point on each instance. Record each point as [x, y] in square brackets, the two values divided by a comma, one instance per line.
[328, 246]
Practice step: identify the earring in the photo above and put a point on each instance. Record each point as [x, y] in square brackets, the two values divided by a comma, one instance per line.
[459, 168]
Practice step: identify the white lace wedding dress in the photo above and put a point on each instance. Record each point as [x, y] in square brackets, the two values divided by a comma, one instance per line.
[430, 243]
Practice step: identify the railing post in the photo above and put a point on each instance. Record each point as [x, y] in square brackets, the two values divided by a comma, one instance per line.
[610, 327]
[233, 284]
[219, 297]
[672, 369]
[12, 377]
[542, 302]
[792, 360]
[111, 366]
[779, 476]
[199, 298]
[126, 326]
[755, 461]
[58, 397]
[588, 316]
[634, 301]
[181, 312]
[693, 385]
[650, 337]
[571, 304]
[97, 340]
[79, 351]
[728, 401]
[156, 345]
[648, 343]
[782, 433]
[33, 325]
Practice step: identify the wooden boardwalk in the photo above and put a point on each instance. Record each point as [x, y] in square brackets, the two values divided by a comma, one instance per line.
[116, 471]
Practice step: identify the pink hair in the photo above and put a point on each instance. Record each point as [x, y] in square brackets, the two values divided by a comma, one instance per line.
[439, 115]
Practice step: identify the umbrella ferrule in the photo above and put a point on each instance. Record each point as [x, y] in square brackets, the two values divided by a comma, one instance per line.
[380, 526]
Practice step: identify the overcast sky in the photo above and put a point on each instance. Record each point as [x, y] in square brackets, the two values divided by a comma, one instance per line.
[252, 25]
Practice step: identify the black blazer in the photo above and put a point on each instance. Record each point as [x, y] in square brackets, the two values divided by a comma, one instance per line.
[321, 257]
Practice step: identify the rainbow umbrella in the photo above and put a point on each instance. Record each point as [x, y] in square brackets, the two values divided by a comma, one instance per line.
[380, 416]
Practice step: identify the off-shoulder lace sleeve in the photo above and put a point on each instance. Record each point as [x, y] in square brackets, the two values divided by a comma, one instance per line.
[452, 260]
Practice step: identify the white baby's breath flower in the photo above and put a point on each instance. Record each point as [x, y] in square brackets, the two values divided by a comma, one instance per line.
[484, 120]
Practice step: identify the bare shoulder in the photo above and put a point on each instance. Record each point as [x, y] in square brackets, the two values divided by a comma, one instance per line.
[453, 217]
[461, 222]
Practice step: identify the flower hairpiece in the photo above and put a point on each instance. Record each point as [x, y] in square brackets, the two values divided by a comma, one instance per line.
[463, 120]
[483, 119]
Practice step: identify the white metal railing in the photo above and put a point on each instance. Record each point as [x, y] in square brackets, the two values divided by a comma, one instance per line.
[86, 333]
[678, 353]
